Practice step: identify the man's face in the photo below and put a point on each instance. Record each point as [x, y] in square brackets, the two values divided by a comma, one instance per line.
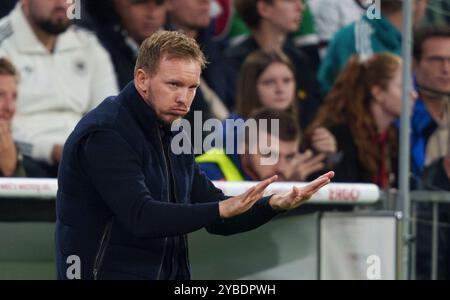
[433, 69]
[285, 150]
[171, 90]
[141, 18]
[190, 14]
[285, 15]
[8, 95]
[49, 16]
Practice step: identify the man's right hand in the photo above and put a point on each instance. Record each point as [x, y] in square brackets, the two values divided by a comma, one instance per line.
[235, 206]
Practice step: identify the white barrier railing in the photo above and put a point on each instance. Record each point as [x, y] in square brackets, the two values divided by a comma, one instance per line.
[335, 193]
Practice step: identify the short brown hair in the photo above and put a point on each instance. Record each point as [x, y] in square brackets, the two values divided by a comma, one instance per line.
[423, 34]
[7, 68]
[247, 97]
[289, 129]
[248, 11]
[170, 44]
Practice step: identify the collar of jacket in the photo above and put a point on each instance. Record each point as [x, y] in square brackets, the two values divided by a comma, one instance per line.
[143, 113]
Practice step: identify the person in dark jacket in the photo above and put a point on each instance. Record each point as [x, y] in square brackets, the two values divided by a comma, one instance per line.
[121, 26]
[125, 201]
[271, 22]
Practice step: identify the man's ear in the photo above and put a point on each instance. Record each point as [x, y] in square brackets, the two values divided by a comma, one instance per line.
[141, 80]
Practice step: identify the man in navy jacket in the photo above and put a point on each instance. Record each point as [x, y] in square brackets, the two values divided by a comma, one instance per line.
[125, 201]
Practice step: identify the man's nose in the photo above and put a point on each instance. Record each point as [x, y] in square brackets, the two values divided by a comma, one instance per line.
[182, 97]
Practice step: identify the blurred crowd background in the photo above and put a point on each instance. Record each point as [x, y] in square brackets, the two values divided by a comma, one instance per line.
[329, 70]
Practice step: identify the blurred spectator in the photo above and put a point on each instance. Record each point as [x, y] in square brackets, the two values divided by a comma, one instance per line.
[365, 37]
[122, 25]
[10, 160]
[268, 80]
[193, 18]
[436, 177]
[331, 15]
[270, 23]
[359, 112]
[290, 165]
[305, 38]
[64, 73]
[431, 117]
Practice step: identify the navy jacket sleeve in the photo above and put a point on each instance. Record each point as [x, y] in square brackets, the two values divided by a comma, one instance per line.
[114, 168]
[259, 214]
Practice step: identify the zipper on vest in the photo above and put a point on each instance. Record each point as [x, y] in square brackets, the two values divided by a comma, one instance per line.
[184, 239]
[168, 201]
[162, 259]
[186, 253]
[102, 249]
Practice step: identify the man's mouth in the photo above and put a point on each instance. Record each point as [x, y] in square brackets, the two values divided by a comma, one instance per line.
[179, 111]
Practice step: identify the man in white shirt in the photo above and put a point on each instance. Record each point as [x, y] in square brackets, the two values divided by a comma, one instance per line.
[64, 74]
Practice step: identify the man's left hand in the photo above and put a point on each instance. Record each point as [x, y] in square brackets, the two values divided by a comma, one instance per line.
[298, 196]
